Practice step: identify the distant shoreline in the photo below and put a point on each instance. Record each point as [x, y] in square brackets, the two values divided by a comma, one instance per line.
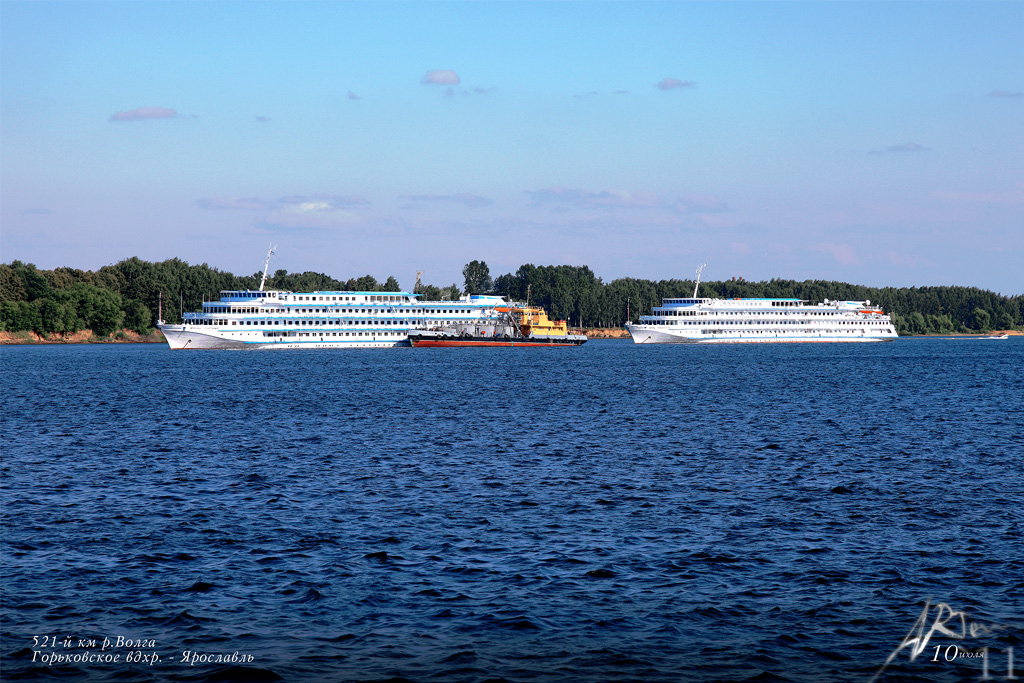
[1012, 333]
[155, 337]
[81, 337]
[606, 333]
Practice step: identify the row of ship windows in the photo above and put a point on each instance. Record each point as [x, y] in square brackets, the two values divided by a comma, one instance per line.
[809, 330]
[673, 314]
[258, 323]
[762, 322]
[374, 297]
[334, 334]
[264, 310]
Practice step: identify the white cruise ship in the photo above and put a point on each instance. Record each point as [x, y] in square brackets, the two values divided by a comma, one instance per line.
[701, 321]
[257, 319]
[278, 319]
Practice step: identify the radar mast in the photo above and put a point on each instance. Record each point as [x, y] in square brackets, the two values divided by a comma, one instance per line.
[266, 266]
[697, 284]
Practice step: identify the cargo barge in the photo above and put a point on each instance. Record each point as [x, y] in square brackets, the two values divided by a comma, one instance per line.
[527, 326]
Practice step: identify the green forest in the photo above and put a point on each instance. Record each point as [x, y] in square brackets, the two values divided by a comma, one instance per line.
[127, 295]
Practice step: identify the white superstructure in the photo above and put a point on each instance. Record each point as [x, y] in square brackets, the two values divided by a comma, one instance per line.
[253, 319]
[685, 321]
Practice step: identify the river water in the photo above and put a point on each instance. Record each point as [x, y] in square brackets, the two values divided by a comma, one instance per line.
[606, 513]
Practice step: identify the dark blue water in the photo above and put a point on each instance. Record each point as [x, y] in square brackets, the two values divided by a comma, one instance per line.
[607, 513]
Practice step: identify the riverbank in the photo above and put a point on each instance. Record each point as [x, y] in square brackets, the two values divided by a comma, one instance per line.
[82, 337]
[977, 335]
[606, 333]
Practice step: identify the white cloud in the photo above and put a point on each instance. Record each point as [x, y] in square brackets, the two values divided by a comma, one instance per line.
[321, 202]
[441, 77]
[144, 113]
[673, 84]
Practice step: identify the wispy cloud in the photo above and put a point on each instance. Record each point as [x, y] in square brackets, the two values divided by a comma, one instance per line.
[1014, 196]
[475, 90]
[464, 198]
[898, 260]
[315, 203]
[144, 113]
[699, 203]
[36, 211]
[901, 148]
[596, 93]
[353, 96]
[842, 253]
[449, 78]
[321, 202]
[1006, 94]
[601, 200]
[702, 205]
[673, 84]
[297, 213]
[235, 203]
[441, 77]
[291, 231]
[262, 119]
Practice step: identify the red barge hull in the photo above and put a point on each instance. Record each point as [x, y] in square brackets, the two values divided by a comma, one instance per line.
[444, 343]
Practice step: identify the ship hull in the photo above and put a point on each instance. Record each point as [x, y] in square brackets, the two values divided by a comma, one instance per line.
[642, 335]
[421, 340]
[181, 337]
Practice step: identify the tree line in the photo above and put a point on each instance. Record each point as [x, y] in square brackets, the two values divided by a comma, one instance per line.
[127, 295]
[576, 294]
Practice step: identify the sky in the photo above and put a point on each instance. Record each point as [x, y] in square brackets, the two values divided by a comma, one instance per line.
[875, 143]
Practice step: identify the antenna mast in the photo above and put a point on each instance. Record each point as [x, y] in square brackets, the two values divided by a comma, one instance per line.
[417, 285]
[697, 284]
[266, 266]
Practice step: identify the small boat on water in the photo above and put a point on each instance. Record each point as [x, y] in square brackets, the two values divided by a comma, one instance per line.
[520, 326]
[1001, 335]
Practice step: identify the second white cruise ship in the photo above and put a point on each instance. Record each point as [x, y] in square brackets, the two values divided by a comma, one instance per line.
[695, 320]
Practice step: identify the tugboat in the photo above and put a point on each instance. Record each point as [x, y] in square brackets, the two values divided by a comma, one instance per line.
[520, 326]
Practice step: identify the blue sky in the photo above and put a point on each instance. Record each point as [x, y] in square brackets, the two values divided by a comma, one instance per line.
[875, 143]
